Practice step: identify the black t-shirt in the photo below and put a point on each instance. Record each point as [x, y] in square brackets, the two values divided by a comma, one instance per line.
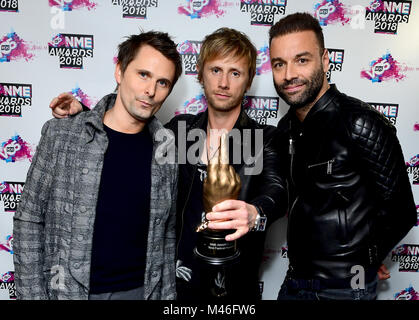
[122, 213]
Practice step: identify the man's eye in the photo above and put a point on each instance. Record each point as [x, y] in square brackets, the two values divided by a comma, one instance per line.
[215, 70]
[143, 74]
[163, 83]
[236, 74]
[277, 65]
[302, 60]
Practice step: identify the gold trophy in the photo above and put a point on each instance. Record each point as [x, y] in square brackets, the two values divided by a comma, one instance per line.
[222, 183]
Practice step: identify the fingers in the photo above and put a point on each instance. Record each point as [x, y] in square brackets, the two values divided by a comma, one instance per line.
[383, 273]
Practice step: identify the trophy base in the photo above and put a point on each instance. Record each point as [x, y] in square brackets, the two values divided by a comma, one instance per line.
[212, 248]
[216, 261]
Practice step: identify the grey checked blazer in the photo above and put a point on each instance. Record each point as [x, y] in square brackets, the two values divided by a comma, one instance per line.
[53, 225]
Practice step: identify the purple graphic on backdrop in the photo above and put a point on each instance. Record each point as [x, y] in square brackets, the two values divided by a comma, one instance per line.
[407, 294]
[263, 63]
[384, 68]
[8, 245]
[416, 127]
[195, 105]
[83, 97]
[331, 12]
[197, 9]
[388, 14]
[12, 48]
[15, 149]
[69, 5]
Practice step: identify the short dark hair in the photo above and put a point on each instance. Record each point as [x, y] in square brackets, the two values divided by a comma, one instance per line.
[223, 42]
[296, 22]
[160, 41]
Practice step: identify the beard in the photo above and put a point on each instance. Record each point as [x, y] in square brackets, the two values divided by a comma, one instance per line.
[313, 86]
[225, 106]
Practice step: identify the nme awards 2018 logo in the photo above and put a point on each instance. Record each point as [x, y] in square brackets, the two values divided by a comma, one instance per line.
[197, 9]
[71, 49]
[9, 5]
[70, 5]
[189, 50]
[407, 255]
[413, 169]
[383, 69]
[263, 63]
[15, 149]
[335, 62]
[331, 12]
[135, 8]
[10, 194]
[261, 108]
[262, 12]
[12, 97]
[389, 110]
[7, 282]
[12, 47]
[195, 105]
[388, 14]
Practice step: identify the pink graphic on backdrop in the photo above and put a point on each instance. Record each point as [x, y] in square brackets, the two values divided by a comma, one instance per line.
[69, 5]
[376, 6]
[407, 294]
[12, 47]
[83, 97]
[193, 106]
[57, 41]
[8, 246]
[416, 127]
[15, 149]
[4, 188]
[7, 277]
[331, 12]
[384, 68]
[414, 161]
[189, 47]
[197, 9]
[263, 64]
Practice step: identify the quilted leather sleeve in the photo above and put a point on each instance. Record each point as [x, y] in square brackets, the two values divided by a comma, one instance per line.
[381, 159]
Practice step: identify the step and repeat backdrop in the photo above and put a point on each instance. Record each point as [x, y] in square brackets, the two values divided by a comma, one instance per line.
[53, 46]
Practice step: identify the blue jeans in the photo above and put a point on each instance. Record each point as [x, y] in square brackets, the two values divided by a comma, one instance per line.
[288, 293]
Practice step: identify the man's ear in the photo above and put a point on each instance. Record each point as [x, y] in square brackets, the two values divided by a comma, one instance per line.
[118, 73]
[325, 60]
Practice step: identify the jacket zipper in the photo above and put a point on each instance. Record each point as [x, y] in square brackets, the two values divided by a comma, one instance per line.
[329, 165]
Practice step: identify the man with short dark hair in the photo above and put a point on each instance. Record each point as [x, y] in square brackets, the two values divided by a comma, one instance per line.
[94, 222]
[351, 200]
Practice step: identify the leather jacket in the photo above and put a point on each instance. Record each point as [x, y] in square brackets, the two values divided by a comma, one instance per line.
[266, 191]
[350, 196]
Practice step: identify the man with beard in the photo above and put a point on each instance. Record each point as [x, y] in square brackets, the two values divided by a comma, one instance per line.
[226, 68]
[351, 200]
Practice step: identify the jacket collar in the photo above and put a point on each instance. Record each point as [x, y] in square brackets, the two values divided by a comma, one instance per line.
[320, 105]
